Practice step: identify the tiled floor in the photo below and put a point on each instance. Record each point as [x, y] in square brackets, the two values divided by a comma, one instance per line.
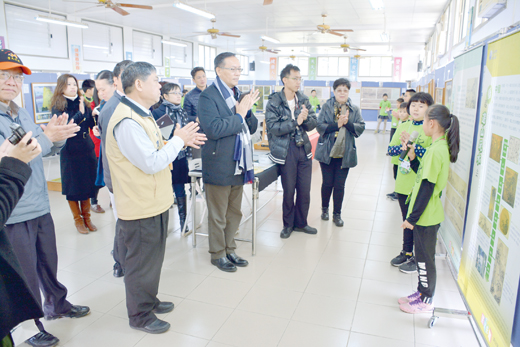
[335, 288]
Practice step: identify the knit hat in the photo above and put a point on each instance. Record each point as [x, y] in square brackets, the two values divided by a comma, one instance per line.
[9, 60]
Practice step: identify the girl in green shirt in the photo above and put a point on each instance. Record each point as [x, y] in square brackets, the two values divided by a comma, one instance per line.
[402, 116]
[425, 212]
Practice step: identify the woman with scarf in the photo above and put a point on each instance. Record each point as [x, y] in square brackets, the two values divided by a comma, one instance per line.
[339, 123]
[170, 104]
[78, 161]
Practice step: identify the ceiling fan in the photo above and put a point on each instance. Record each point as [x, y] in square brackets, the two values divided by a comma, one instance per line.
[345, 46]
[214, 32]
[263, 48]
[325, 29]
[114, 6]
[268, 2]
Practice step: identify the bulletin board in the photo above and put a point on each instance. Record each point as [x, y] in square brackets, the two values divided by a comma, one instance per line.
[372, 96]
[322, 93]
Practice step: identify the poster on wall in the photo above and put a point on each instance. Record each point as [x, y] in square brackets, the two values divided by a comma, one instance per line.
[272, 68]
[41, 97]
[372, 96]
[76, 61]
[466, 82]
[447, 93]
[489, 270]
[312, 68]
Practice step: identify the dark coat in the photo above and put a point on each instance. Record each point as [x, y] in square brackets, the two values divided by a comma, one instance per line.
[180, 166]
[104, 117]
[221, 127]
[327, 127]
[191, 100]
[78, 160]
[281, 126]
[17, 303]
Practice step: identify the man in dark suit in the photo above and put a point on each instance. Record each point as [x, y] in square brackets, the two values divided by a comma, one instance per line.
[225, 123]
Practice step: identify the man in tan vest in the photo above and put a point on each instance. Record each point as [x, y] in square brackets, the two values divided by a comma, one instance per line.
[141, 180]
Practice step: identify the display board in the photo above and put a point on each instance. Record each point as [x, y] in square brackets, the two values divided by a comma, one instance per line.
[264, 92]
[322, 93]
[466, 81]
[489, 272]
[372, 96]
[439, 95]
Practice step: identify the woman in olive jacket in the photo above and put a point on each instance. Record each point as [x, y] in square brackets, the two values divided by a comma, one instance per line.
[77, 158]
[337, 113]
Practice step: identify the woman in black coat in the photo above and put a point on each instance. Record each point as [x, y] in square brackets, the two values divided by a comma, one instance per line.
[77, 158]
[170, 104]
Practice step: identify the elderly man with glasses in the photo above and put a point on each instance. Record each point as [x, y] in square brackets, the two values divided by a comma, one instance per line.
[30, 227]
[288, 117]
[226, 157]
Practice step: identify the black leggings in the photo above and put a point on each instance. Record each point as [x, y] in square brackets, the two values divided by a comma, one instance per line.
[334, 178]
[407, 233]
[395, 171]
[425, 241]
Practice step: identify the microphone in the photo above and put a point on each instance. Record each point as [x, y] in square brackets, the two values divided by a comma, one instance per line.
[412, 139]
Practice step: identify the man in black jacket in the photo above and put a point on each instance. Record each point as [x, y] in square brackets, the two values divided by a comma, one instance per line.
[222, 119]
[288, 117]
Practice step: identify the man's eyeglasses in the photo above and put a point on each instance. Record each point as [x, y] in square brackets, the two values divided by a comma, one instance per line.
[297, 79]
[233, 69]
[5, 76]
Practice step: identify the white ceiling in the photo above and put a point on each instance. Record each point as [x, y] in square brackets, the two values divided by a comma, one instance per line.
[409, 23]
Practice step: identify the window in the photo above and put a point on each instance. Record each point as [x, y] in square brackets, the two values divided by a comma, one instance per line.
[180, 57]
[334, 66]
[461, 20]
[102, 42]
[31, 37]
[375, 67]
[147, 47]
[207, 55]
[301, 62]
[244, 63]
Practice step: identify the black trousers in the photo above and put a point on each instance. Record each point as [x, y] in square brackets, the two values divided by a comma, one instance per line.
[407, 233]
[145, 240]
[119, 249]
[296, 178]
[34, 243]
[334, 178]
[425, 241]
[392, 132]
[396, 167]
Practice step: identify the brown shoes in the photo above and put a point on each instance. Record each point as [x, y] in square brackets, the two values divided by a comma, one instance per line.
[81, 213]
[85, 213]
[97, 209]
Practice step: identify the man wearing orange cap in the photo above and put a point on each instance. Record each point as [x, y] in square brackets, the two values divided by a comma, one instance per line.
[30, 227]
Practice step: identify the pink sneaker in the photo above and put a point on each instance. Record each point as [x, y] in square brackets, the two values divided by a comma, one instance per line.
[416, 306]
[409, 298]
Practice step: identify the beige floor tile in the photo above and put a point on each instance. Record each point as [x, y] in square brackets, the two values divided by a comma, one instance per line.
[363, 340]
[248, 274]
[192, 261]
[271, 301]
[171, 338]
[383, 253]
[349, 235]
[68, 256]
[356, 214]
[294, 279]
[217, 344]
[198, 319]
[386, 239]
[383, 271]
[179, 283]
[74, 281]
[95, 265]
[121, 311]
[347, 249]
[252, 330]
[340, 265]
[220, 292]
[99, 296]
[383, 321]
[336, 286]
[446, 332]
[296, 257]
[383, 293]
[299, 334]
[358, 224]
[325, 311]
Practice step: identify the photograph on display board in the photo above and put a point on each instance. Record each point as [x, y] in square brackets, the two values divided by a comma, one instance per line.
[481, 261]
[484, 224]
[499, 271]
[322, 93]
[448, 87]
[504, 221]
[496, 147]
[472, 92]
[513, 152]
[41, 97]
[439, 94]
[510, 182]
[264, 92]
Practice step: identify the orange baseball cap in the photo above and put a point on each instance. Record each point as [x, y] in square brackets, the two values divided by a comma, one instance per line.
[9, 60]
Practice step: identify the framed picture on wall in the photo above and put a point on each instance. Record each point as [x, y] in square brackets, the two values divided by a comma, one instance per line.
[439, 96]
[41, 97]
[448, 87]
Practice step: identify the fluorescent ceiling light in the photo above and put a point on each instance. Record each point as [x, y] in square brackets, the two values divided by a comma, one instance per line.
[384, 37]
[270, 39]
[305, 53]
[377, 4]
[54, 20]
[172, 43]
[194, 10]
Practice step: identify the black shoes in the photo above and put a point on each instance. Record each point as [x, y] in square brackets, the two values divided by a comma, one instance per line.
[307, 229]
[76, 311]
[324, 213]
[43, 339]
[156, 327]
[336, 218]
[224, 264]
[118, 270]
[235, 259]
[163, 307]
[286, 232]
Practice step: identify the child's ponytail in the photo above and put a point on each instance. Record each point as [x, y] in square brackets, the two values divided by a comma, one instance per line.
[450, 124]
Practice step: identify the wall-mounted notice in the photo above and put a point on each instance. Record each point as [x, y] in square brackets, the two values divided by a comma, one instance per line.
[272, 68]
[76, 61]
[489, 270]
[466, 80]
[372, 96]
[398, 63]
[312, 68]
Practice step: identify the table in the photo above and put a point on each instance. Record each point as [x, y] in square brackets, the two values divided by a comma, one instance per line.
[260, 182]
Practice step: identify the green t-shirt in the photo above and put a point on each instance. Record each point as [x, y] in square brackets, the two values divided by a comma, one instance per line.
[382, 107]
[435, 167]
[182, 102]
[395, 119]
[405, 181]
[314, 102]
